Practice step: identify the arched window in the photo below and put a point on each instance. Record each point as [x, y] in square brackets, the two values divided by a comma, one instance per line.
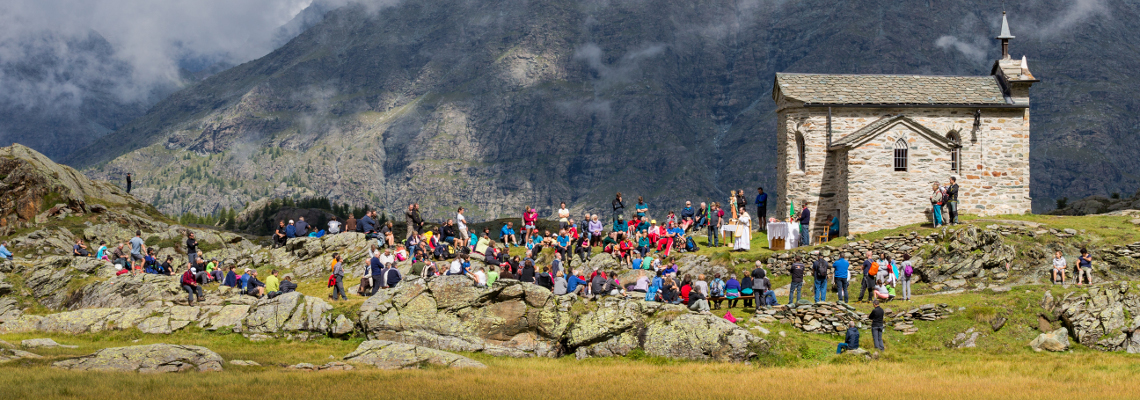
[900, 155]
[955, 152]
[801, 153]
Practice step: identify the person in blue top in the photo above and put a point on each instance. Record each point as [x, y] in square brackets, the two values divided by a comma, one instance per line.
[507, 234]
[231, 278]
[563, 246]
[841, 267]
[620, 226]
[833, 231]
[245, 280]
[377, 269]
[643, 226]
[761, 209]
[654, 287]
[687, 215]
[805, 226]
[851, 341]
[7, 255]
[636, 263]
[290, 230]
[576, 284]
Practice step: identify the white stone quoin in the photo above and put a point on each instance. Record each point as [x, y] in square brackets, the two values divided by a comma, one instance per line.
[850, 125]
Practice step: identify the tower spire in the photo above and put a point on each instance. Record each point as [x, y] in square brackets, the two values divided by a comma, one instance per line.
[1005, 37]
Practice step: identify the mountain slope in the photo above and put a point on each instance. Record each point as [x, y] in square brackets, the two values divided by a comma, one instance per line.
[497, 105]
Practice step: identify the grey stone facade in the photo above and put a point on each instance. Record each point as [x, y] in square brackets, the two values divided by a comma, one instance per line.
[849, 142]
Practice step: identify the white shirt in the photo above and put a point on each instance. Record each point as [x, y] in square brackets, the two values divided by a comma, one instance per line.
[456, 267]
[480, 277]
[563, 214]
[1059, 263]
[334, 226]
[462, 222]
[386, 259]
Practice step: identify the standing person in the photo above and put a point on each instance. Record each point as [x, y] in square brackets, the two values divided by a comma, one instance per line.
[867, 284]
[129, 183]
[936, 204]
[877, 325]
[563, 216]
[842, 272]
[376, 272]
[743, 233]
[733, 206]
[338, 275]
[805, 226]
[907, 273]
[1084, 267]
[1059, 265]
[192, 244]
[761, 210]
[819, 269]
[952, 200]
[797, 273]
[758, 285]
[641, 208]
[618, 206]
[716, 219]
[461, 221]
[530, 219]
[138, 248]
[410, 221]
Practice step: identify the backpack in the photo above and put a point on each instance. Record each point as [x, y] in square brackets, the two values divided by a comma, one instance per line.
[821, 268]
[691, 245]
[908, 270]
[874, 269]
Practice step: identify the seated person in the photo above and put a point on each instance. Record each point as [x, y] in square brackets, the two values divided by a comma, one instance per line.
[4, 253]
[254, 287]
[482, 244]
[851, 340]
[833, 231]
[80, 249]
[166, 268]
[287, 285]
[231, 279]
[507, 235]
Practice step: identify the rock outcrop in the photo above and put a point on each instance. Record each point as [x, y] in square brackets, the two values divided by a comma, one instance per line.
[1099, 319]
[516, 319]
[385, 354]
[1055, 341]
[148, 358]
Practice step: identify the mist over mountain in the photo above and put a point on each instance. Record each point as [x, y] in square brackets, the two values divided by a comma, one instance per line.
[73, 71]
[499, 104]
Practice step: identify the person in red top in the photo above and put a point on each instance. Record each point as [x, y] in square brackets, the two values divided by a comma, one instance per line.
[190, 285]
[572, 230]
[686, 287]
[623, 251]
[530, 217]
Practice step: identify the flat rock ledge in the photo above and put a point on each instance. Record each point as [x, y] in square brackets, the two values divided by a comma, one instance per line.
[147, 359]
[385, 354]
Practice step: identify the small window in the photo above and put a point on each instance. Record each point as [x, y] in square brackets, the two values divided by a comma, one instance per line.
[801, 153]
[956, 151]
[900, 155]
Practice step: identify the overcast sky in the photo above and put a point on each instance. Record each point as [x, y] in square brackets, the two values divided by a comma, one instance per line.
[151, 36]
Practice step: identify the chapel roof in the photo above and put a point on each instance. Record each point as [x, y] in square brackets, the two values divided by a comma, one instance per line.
[890, 90]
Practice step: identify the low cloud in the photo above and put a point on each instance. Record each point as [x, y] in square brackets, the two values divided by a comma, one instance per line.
[54, 52]
[978, 51]
[625, 69]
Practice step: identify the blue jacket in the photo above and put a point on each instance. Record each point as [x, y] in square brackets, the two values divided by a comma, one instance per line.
[841, 266]
[688, 212]
[506, 231]
[573, 282]
[620, 226]
[4, 253]
[762, 200]
[852, 338]
[231, 279]
[377, 269]
[367, 224]
[244, 281]
[290, 231]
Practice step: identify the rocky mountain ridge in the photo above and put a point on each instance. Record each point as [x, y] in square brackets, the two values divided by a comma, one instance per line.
[503, 104]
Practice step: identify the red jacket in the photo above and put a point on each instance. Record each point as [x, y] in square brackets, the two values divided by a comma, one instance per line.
[188, 278]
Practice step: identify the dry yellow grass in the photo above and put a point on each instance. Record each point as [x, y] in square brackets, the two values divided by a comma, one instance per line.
[1085, 376]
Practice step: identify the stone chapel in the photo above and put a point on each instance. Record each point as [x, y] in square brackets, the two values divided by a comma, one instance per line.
[867, 148]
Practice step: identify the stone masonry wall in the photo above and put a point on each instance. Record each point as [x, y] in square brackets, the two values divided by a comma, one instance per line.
[994, 175]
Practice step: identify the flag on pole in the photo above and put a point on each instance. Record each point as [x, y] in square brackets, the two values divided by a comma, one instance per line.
[791, 208]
